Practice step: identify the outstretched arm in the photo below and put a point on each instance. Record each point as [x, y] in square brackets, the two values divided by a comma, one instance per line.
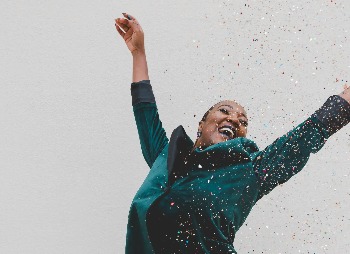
[287, 155]
[151, 133]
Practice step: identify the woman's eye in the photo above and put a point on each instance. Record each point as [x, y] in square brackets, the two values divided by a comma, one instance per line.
[224, 111]
[245, 123]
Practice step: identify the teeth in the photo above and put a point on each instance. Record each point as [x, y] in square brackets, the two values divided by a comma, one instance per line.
[228, 130]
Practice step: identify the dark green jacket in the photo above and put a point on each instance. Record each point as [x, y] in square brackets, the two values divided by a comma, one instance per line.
[195, 203]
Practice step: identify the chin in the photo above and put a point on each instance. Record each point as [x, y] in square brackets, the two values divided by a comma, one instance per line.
[219, 140]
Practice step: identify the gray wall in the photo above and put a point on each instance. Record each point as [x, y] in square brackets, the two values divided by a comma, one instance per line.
[70, 159]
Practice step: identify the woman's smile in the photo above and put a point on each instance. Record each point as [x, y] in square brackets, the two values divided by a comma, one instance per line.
[227, 131]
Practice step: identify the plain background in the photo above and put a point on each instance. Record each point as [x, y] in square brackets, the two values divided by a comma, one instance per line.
[70, 159]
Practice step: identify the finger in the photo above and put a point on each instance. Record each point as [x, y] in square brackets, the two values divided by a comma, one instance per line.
[122, 34]
[132, 22]
[123, 24]
[128, 16]
[135, 27]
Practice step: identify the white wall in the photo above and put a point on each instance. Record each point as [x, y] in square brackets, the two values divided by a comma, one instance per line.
[70, 161]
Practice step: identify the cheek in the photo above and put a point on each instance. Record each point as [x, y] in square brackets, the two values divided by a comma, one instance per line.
[210, 132]
[242, 131]
[211, 125]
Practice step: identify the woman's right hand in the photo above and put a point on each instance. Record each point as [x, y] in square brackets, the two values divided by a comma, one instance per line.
[133, 35]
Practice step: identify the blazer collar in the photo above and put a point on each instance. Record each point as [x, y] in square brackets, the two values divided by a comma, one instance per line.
[180, 146]
[181, 159]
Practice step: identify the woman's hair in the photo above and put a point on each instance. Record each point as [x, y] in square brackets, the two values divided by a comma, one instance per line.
[206, 113]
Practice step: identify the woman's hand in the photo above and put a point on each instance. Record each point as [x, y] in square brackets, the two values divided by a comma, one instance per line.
[346, 93]
[133, 35]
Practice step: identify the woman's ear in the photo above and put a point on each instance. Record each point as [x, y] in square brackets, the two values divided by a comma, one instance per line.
[200, 126]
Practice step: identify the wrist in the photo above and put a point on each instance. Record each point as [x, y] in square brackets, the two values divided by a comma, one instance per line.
[138, 53]
[345, 96]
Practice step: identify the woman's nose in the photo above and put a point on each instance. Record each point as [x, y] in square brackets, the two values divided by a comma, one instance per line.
[233, 119]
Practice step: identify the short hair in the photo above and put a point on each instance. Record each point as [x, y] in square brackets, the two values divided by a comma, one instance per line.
[206, 113]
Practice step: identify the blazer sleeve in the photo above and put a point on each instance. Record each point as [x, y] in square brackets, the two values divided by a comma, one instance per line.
[151, 133]
[287, 155]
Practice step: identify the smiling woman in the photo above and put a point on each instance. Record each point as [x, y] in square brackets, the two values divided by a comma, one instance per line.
[197, 195]
[223, 121]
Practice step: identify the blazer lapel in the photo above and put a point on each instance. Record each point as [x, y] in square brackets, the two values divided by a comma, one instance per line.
[180, 145]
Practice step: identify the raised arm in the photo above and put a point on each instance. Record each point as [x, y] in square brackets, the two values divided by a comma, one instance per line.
[287, 155]
[151, 133]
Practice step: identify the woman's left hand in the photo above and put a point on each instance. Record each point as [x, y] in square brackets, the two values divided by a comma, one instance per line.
[346, 93]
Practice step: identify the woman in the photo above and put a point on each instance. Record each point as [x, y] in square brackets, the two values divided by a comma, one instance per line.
[197, 195]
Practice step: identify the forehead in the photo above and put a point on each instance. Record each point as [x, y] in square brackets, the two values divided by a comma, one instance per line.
[232, 105]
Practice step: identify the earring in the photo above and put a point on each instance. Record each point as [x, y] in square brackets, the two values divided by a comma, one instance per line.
[199, 133]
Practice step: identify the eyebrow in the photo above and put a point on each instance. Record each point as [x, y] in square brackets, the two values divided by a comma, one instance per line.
[233, 108]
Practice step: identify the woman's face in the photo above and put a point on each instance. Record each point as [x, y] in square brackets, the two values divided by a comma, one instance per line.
[227, 120]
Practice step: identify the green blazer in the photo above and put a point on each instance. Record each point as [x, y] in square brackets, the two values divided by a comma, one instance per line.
[196, 202]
